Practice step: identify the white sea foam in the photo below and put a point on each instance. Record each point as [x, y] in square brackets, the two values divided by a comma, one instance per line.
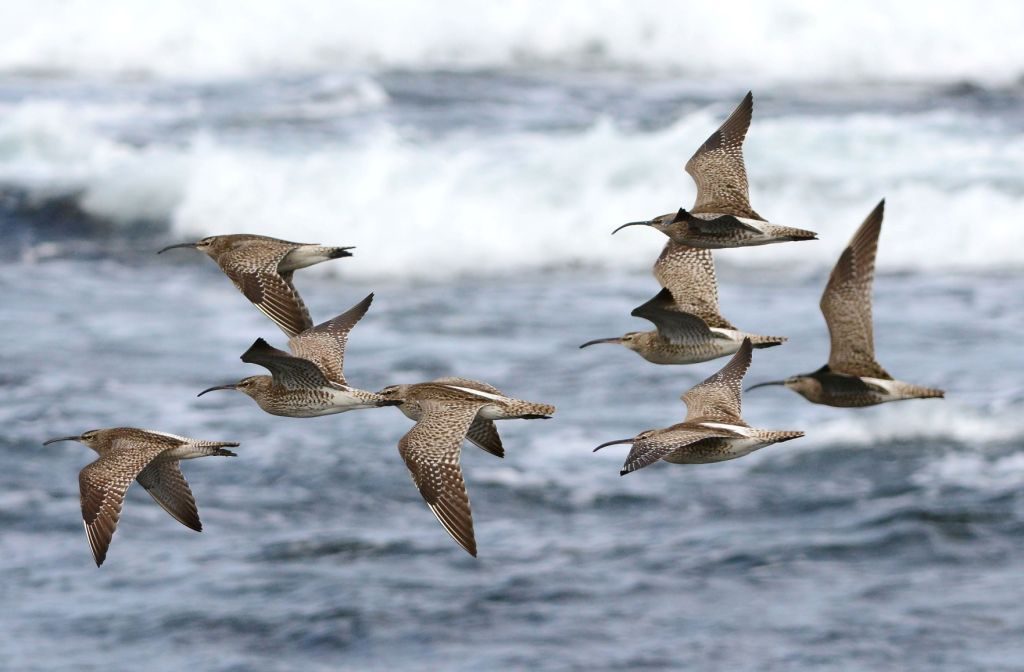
[505, 202]
[942, 421]
[789, 40]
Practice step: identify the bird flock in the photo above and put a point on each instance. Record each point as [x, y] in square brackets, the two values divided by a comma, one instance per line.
[308, 380]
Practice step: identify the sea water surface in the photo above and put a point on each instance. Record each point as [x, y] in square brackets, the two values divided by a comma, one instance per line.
[479, 180]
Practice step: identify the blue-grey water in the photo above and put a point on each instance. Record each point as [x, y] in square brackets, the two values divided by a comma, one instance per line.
[480, 200]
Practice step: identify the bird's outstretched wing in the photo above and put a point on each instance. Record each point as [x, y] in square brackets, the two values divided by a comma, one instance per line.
[324, 344]
[287, 370]
[253, 268]
[431, 450]
[718, 397]
[103, 483]
[717, 167]
[846, 303]
[688, 273]
[166, 484]
[650, 449]
[673, 325]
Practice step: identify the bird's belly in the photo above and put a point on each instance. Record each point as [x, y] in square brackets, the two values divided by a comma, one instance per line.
[692, 353]
[716, 449]
[314, 403]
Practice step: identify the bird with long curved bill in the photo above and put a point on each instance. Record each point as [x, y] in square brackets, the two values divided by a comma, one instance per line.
[852, 376]
[713, 430]
[722, 216]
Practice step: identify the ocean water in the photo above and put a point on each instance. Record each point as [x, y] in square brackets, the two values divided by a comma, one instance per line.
[478, 159]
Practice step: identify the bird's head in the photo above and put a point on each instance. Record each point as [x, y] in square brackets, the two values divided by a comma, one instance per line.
[395, 394]
[254, 386]
[208, 245]
[806, 385]
[92, 438]
[673, 223]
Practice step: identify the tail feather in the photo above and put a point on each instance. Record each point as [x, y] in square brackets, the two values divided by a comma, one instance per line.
[778, 436]
[791, 233]
[216, 448]
[338, 252]
[529, 410]
[766, 341]
[927, 393]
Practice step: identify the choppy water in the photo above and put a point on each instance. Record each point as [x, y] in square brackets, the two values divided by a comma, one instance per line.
[479, 185]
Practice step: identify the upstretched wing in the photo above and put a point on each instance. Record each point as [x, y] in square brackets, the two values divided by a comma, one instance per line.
[166, 484]
[718, 397]
[688, 273]
[846, 303]
[103, 483]
[650, 449]
[324, 344]
[287, 370]
[252, 266]
[431, 451]
[718, 168]
[674, 326]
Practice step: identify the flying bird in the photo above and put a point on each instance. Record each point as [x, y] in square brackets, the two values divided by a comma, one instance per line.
[713, 431]
[446, 411]
[690, 327]
[127, 454]
[309, 381]
[852, 377]
[262, 268]
[721, 215]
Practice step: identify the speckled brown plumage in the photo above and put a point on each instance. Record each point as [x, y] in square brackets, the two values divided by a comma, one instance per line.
[717, 167]
[310, 380]
[688, 273]
[713, 429]
[685, 312]
[852, 377]
[846, 302]
[261, 268]
[128, 454]
[721, 215]
[447, 411]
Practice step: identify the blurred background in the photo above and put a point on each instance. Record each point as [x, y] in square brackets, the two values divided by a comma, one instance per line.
[478, 157]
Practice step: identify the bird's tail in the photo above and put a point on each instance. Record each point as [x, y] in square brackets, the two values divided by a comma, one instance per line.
[921, 392]
[791, 233]
[307, 255]
[759, 341]
[214, 448]
[528, 410]
[778, 436]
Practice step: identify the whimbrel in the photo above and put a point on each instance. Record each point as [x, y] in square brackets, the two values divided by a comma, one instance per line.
[262, 268]
[151, 458]
[690, 328]
[721, 215]
[308, 382]
[446, 411]
[852, 377]
[713, 430]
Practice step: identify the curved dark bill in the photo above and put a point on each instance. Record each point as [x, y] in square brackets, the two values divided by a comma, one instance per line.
[171, 247]
[771, 382]
[232, 386]
[62, 438]
[617, 339]
[647, 223]
[612, 443]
